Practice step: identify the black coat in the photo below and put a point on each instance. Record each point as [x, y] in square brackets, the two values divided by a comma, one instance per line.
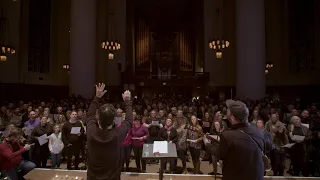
[173, 136]
[241, 156]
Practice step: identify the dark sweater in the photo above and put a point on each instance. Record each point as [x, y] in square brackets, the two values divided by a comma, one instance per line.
[173, 136]
[74, 139]
[10, 156]
[104, 162]
[37, 132]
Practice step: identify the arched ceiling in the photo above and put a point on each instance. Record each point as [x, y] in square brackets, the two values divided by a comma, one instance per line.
[166, 14]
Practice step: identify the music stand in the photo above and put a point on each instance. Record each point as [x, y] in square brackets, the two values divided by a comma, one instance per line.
[147, 153]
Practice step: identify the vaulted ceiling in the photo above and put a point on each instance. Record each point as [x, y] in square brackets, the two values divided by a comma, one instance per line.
[166, 14]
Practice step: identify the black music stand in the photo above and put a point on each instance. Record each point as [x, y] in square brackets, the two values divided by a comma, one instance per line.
[147, 153]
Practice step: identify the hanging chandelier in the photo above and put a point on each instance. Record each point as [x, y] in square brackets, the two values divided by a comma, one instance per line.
[5, 48]
[268, 67]
[218, 46]
[111, 45]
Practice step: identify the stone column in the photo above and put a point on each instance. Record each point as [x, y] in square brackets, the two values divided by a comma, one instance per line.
[250, 45]
[83, 47]
[209, 58]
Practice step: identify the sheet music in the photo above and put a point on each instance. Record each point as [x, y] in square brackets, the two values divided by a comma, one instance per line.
[28, 131]
[298, 138]
[160, 147]
[75, 130]
[117, 120]
[306, 125]
[155, 123]
[190, 140]
[206, 124]
[5, 133]
[288, 145]
[43, 139]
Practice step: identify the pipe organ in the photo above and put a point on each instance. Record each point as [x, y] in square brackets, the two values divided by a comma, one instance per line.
[142, 46]
[186, 54]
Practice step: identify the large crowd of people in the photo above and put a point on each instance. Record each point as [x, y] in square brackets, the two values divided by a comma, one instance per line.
[33, 132]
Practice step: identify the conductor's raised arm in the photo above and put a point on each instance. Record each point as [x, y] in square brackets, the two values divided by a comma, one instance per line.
[95, 104]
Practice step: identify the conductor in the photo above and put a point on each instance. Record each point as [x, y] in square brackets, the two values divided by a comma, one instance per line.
[104, 140]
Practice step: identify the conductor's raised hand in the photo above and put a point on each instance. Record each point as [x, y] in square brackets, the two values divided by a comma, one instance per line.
[100, 90]
[126, 95]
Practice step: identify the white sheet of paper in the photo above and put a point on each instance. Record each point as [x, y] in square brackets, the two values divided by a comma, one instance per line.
[288, 145]
[5, 133]
[85, 128]
[137, 138]
[28, 131]
[75, 130]
[160, 147]
[43, 139]
[190, 140]
[155, 123]
[206, 140]
[298, 138]
[117, 120]
[306, 125]
[206, 124]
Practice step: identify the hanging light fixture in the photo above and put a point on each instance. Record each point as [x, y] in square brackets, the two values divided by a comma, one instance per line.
[268, 67]
[219, 44]
[111, 45]
[66, 65]
[5, 49]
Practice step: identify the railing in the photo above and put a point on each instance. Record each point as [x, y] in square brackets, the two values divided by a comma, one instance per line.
[183, 79]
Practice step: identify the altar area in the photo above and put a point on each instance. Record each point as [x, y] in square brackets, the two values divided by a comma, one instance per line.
[50, 174]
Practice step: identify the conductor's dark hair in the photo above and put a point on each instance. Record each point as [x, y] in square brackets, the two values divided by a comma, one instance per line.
[106, 114]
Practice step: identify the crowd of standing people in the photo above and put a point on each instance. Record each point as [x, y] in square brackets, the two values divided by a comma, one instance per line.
[57, 130]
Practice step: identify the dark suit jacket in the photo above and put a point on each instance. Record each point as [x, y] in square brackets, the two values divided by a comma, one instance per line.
[241, 156]
[172, 137]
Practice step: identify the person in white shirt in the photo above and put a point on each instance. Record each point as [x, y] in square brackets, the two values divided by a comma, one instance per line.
[55, 146]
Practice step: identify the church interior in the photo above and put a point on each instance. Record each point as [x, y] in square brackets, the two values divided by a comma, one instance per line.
[54, 50]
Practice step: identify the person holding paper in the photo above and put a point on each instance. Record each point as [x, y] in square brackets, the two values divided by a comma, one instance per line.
[72, 137]
[139, 135]
[213, 145]
[40, 152]
[169, 133]
[104, 139]
[298, 151]
[195, 144]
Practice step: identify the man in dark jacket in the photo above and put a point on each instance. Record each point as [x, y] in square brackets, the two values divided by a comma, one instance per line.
[104, 139]
[241, 155]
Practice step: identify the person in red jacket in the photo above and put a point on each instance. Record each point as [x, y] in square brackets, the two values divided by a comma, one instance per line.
[11, 162]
